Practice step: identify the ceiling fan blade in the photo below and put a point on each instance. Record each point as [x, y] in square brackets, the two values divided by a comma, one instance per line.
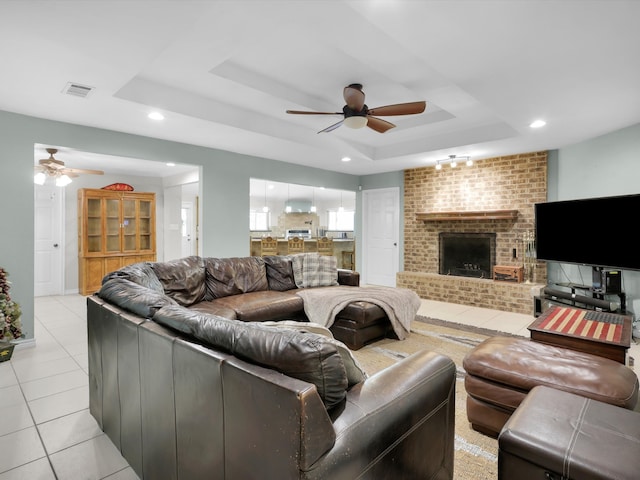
[410, 108]
[52, 163]
[354, 97]
[378, 124]
[302, 112]
[75, 171]
[330, 128]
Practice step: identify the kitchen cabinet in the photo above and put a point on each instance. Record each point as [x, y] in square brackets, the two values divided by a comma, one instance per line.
[114, 229]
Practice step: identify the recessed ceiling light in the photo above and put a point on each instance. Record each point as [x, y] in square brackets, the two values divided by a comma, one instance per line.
[156, 116]
[346, 159]
[171, 164]
[538, 124]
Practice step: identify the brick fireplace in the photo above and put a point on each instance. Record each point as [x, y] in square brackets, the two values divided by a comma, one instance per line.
[494, 198]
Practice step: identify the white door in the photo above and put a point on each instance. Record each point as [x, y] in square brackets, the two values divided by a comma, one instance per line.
[49, 243]
[188, 242]
[381, 212]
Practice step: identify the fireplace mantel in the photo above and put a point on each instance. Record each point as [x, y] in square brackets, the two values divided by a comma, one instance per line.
[467, 215]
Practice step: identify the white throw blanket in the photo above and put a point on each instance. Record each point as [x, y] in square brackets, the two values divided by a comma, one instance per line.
[400, 304]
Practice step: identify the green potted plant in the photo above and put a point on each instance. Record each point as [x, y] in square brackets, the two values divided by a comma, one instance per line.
[10, 326]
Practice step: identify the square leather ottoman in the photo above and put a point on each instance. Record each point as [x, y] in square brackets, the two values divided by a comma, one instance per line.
[501, 371]
[559, 435]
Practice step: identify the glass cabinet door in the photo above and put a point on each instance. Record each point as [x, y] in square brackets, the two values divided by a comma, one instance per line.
[129, 226]
[112, 222]
[145, 224]
[94, 225]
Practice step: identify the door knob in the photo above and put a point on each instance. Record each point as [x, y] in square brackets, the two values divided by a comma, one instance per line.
[55, 245]
[395, 244]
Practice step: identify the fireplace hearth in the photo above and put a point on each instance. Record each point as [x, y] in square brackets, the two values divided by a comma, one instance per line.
[467, 254]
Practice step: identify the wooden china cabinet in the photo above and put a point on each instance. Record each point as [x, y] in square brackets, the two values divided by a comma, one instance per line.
[115, 228]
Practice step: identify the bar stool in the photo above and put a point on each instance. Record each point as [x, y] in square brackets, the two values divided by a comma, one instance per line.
[268, 246]
[348, 259]
[295, 245]
[325, 246]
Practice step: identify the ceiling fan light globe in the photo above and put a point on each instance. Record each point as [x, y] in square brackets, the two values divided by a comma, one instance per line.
[63, 181]
[356, 122]
[39, 178]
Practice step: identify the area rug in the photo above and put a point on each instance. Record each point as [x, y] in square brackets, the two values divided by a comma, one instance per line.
[476, 455]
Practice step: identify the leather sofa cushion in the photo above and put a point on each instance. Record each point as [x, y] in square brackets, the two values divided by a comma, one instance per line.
[362, 313]
[279, 272]
[182, 279]
[523, 364]
[213, 308]
[355, 372]
[140, 273]
[133, 297]
[233, 276]
[266, 305]
[306, 356]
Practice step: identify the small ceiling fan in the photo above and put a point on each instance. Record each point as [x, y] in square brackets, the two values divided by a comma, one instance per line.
[358, 115]
[55, 168]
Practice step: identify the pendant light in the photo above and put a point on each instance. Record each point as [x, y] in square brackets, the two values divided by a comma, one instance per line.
[313, 202]
[265, 209]
[288, 206]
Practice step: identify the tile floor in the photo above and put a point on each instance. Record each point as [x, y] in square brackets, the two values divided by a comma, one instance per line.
[46, 430]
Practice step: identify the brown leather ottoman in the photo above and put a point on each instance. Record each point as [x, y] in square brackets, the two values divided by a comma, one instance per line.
[559, 435]
[360, 323]
[501, 371]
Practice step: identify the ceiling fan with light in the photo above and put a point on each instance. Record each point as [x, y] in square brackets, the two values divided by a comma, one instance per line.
[358, 115]
[51, 167]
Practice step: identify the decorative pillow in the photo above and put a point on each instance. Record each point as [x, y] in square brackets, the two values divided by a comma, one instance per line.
[355, 373]
[320, 271]
[297, 262]
[308, 357]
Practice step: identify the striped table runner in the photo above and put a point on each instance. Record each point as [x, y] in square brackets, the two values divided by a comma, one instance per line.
[583, 323]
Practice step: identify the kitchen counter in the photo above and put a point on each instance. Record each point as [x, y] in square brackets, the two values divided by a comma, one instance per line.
[310, 245]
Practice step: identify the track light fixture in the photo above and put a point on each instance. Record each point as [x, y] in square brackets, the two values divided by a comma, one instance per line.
[453, 161]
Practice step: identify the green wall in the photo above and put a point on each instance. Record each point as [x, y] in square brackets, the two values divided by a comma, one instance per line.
[606, 165]
[603, 166]
[225, 188]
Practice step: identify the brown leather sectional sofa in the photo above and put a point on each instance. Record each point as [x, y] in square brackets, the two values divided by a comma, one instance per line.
[184, 393]
[254, 289]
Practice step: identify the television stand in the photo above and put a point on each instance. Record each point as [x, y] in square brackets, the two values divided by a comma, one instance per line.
[580, 296]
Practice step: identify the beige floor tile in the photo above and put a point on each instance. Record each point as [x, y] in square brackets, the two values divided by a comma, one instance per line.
[54, 384]
[67, 431]
[59, 404]
[91, 460]
[37, 470]
[20, 447]
[28, 371]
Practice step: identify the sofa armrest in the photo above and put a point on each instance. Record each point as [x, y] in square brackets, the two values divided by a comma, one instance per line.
[348, 277]
[403, 409]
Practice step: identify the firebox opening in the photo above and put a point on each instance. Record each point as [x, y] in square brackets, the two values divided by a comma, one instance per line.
[467, 254]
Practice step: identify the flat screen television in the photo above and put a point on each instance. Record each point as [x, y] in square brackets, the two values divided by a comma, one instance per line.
[591, 231]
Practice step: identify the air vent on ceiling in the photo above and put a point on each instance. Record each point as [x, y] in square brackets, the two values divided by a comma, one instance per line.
[77, 90]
